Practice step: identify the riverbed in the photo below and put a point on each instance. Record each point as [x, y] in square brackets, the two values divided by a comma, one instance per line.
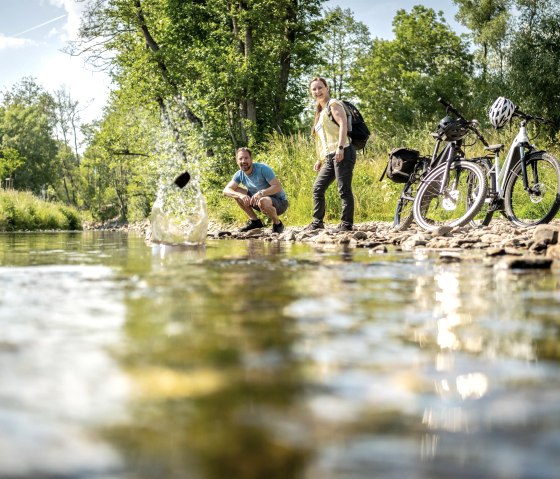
[255, 359]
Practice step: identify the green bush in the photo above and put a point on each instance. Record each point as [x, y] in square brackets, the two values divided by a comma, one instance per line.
[21, 211]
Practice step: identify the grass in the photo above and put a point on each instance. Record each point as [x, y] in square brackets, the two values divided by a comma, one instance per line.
[21, 211]
[292, 158]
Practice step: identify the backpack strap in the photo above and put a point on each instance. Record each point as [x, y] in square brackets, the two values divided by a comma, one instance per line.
[329, 112]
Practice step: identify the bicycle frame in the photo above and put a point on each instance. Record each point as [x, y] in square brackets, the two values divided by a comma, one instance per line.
[517, 147]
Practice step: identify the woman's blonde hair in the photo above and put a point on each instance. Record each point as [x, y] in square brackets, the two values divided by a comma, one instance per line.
[318, 107]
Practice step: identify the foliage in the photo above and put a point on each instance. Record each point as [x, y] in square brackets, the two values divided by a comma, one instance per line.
[26, 128]
[534, 59]
[344, 39]
[399, 80]
[230, 64]
[119, 165]
[195, 79]
[22, 211]
[489, 22]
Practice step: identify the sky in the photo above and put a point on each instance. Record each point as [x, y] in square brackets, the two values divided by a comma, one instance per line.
[34, 32]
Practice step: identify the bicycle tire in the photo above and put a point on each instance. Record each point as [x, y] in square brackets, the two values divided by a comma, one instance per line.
[486, 212]
[541, 204]
[403, 212]
[451, 208]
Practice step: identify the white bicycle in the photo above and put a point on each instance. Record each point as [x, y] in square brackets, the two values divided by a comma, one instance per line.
[526, 188]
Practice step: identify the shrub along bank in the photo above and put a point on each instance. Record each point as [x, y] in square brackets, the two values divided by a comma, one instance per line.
[21, 211]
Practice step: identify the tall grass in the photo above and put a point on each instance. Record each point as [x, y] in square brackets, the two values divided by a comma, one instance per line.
[21, 211]
[292, 158]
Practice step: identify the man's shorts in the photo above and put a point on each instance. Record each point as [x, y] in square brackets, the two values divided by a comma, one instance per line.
[280, 205]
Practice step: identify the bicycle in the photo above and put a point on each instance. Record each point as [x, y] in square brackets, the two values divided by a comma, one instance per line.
[526, 188]
[448, 129]
[453, 192]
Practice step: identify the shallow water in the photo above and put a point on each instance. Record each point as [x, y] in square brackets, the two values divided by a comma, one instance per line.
[259, 360]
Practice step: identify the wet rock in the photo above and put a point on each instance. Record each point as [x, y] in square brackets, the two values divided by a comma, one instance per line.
[442, 231]
[449, 257]
[553, 252]
[525, 262]
[500, 238]
[496, 252]
[546, 234]
[491, 238]
[360, 235]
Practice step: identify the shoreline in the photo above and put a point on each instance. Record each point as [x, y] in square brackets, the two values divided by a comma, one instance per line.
[534, 247]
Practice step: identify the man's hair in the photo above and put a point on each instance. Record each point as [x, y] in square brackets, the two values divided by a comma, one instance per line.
[243, 148]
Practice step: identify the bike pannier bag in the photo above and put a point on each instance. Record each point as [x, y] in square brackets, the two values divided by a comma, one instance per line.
[401, 164]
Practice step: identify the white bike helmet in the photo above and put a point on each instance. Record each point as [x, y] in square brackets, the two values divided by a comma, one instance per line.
[501, 112]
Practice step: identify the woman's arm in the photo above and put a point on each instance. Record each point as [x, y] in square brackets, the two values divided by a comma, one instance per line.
[339, 115]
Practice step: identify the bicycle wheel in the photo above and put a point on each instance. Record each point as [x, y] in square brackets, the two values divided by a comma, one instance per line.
[486, 212]
[450, 208]
[541, 202]
[403, 213]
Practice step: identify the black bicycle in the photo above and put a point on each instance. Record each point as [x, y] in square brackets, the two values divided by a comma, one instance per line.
[410, 168]
[453, 192]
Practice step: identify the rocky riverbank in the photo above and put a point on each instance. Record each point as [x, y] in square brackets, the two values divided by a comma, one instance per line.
[514, 247]
[536, 247]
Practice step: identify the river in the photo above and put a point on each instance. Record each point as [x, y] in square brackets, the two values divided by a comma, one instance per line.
[125, 360]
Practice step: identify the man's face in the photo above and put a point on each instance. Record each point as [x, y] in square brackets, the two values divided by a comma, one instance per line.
[244, 160]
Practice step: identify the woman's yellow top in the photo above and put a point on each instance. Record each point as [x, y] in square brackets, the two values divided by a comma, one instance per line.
[326, 130]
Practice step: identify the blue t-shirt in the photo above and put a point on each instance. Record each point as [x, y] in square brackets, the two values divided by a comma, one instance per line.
[258, 180]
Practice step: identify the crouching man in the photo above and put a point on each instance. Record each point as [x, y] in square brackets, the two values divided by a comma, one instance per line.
[261, 191]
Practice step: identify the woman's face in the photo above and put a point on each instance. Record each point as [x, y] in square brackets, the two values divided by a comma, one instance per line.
[318, 90]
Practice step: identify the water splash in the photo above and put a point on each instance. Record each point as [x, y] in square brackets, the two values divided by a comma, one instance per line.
[179, 215]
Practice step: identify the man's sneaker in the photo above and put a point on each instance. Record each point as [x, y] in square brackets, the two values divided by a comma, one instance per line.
[342, 227]
[251, 225]
[316, 225]
[278, 228]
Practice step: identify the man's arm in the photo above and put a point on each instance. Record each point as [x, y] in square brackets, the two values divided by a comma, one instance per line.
[231, 190]
[275, 187]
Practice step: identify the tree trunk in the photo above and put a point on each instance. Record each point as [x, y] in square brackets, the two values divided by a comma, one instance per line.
[285, 59]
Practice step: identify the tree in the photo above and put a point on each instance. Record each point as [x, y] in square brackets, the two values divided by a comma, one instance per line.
[66, 115]
[534, 58]
[27, 129]
[10, 161]
[223, 64]
[344, 39]
[489, 21]
[399, 81]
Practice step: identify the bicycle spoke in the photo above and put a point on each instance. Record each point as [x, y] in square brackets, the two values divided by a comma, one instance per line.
[540, 203]
[456, 203]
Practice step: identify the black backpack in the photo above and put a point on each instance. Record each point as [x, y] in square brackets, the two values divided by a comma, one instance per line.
[357, 128]
[401, 164]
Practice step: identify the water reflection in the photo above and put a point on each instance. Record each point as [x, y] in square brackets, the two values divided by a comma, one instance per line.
[266, 359]
[212, 359]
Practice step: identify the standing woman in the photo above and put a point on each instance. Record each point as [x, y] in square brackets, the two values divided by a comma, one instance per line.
[337, 158]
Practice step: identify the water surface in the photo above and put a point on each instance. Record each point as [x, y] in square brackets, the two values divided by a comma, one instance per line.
[119, 359]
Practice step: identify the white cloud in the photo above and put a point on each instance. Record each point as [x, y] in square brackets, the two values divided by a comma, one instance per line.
[91, 89]
[7, 43]
[74, 10]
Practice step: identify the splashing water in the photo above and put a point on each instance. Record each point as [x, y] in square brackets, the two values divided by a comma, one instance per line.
[179, 215]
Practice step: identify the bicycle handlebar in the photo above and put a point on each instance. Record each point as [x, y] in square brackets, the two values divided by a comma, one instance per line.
[527, 117]
[450, 108]
[469, 123]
